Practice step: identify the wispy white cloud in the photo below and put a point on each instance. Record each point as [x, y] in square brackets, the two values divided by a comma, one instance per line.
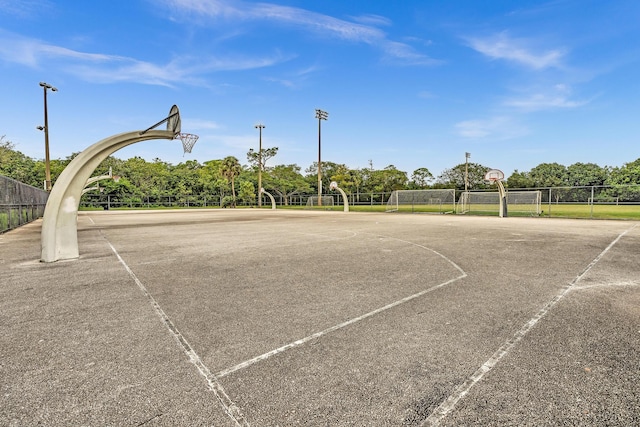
[494, 128]
[559, 97]
[294, 79]
[25, 8]
[425, 94]
[406, 54]
[288, 83]
[363, 30]
[106, 68]
[239, 142]
[541, 101]
[32, 52]
[518, 50]
[199, 124]
[370, 19]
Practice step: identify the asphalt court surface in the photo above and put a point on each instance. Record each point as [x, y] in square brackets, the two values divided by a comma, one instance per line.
[279, 318]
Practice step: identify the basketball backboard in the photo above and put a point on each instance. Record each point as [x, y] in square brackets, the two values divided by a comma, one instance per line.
[173, 121]
[494, 175]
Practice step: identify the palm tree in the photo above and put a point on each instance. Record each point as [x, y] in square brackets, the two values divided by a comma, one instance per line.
[230, 169]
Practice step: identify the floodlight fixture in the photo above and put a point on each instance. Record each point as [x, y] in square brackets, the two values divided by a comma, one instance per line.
[47, 163]
[320, 115]
[467, 155]
[260, 126]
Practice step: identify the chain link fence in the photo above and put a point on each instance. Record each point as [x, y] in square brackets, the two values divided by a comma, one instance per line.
[19, 203]
[622, 201]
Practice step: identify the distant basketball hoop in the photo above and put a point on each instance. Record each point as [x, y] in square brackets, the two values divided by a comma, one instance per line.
[188, 140]
[334, 186]
[494, 175]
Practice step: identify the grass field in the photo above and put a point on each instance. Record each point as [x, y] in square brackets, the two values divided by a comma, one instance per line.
[554, 210]
[591, 211]
[572, 210]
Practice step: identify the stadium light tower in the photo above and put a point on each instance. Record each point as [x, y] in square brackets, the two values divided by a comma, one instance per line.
[320, 115]
[260, 126]
[466, 171]
[47, 165]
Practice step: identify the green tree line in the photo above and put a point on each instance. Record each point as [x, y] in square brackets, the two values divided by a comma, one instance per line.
[235, 182]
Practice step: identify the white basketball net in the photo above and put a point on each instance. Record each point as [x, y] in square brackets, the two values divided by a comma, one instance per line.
[188, 140]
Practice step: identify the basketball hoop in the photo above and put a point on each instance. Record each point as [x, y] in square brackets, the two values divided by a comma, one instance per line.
[188, 140]
[494, 175]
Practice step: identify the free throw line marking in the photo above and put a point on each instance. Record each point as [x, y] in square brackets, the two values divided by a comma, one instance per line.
[459, 393]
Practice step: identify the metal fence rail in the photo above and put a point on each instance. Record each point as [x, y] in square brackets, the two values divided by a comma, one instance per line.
[621, 201]
[19, 203]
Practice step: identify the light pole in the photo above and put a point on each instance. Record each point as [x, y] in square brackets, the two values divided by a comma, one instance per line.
[47, 165]
[320, 115]
[466, 171]
[260, 126]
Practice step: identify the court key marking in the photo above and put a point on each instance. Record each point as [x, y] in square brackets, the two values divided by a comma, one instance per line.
[212, 379]
[230, 408]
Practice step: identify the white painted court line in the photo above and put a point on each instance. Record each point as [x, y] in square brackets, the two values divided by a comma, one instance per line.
[459, 393]
[607, 285]
[306, 339]
[230, 408]
[301, 341]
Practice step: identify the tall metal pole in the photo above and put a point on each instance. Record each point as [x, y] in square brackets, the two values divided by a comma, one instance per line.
[260, 126]
[47, 162]
[466, 171]
[320, 115]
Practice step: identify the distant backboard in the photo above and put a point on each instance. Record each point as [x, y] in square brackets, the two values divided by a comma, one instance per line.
[494, 175]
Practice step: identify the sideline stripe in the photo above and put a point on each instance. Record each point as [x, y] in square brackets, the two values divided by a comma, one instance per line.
[459, 393]
[301, 341]
[230, 408]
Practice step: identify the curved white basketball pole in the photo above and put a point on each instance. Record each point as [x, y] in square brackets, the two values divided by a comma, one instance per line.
[344, 195]
[59, 238]
[87, 189]
[93, 179]
[273, 201]
[503, 199]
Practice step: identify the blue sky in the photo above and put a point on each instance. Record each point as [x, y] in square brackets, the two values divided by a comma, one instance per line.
[413, 83]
